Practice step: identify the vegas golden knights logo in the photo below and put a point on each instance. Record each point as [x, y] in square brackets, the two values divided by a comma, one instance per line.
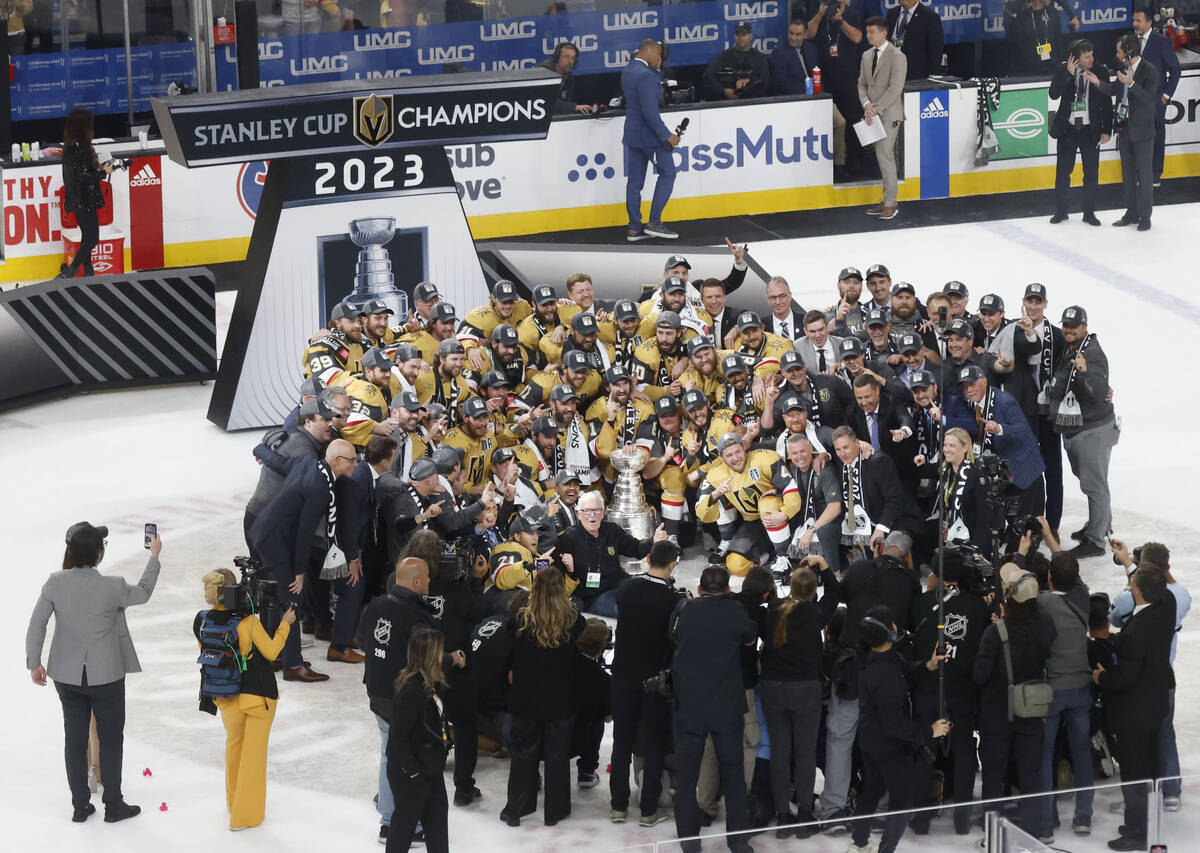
[374, 119]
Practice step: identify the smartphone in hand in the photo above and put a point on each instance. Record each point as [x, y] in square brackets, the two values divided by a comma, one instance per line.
[151, 533]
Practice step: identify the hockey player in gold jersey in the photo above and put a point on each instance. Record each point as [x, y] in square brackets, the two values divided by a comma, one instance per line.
[339, 350]
[444, 384]
[542, 325]
[662, 437]
[762, 348]
[701, 429]
[504, 306]
[752, 498]
[440, 327]
[613, 421]
[376, 327]
[658, 363]
[370, 399]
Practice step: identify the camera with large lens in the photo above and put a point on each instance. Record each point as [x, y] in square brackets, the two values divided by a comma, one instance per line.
[255, 594]
[976, 573]
[458, 556]
[1028, 524]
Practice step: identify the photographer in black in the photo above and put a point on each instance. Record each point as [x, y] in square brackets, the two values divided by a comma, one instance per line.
[738, 72]
[961, 609]
[893, 743]
[455, 594]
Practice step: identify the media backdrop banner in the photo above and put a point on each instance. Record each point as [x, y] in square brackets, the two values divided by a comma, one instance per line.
[328, 227]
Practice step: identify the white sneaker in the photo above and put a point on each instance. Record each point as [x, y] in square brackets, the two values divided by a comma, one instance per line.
[1171, 804]
[306, 641]
[869, 847]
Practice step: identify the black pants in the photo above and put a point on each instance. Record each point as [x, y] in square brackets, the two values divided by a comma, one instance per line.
[634, 709]
[586, 733]
[960, 754]
[1021, 744]
[896, 774]
[107, 702]
[1138, 754]
[1050, 443]
[1089, 157]
[1137, 175]
[89, 236]
[531, 741]
[420, 800]
[689, 749]
[1160, 137]
[462, 707]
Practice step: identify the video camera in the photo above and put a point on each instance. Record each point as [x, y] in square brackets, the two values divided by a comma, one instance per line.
[255, 594]
[976, 573]
[458, 558]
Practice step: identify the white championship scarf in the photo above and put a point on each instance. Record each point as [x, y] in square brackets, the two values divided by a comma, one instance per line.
[954, 529]
[856, 524]
[335, 565]
[1070, 414]
[525, 496]
[689, 316]
[795, 551]
[598, 353]
[983, 413]
[574, 454]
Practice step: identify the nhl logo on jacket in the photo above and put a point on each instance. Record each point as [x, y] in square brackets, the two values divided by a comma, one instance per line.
[383, 631]
[374, 119]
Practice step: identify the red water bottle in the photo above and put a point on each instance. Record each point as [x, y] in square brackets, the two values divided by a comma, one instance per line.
[816, 76]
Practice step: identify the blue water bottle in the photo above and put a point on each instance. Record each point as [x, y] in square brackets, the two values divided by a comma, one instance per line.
[808, 86]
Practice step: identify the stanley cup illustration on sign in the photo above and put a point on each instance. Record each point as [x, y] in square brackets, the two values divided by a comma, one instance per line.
[373, 278]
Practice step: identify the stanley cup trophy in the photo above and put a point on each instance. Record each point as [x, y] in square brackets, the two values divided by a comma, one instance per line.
[628, 507]
[373, 277]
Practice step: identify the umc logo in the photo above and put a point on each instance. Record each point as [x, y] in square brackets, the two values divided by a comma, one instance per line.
[442, 55]
[270, 50]
[751, 11]
[689, 35]
[630, 20]
[586, 42]
[961, 11]
[507, 30]
[385, 40]
[374, 119]
[320, 65]
[1094, 17]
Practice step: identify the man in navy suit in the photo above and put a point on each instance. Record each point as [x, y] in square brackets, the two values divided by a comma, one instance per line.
[646, 138]
[1159, 52]
[916, 30]
[994, 420]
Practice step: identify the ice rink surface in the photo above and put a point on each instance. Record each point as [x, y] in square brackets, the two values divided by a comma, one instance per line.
[123, 458]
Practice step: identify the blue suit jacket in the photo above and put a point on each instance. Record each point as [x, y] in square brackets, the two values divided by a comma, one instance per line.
[1016, 445]
[285, 532]
[644, 126]
[1161, 54]
[787, 74]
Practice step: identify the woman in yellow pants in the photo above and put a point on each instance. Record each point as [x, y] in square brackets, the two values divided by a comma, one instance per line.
[247, 715]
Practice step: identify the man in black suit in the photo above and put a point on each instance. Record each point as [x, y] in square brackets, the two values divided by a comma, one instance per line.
[284, 535]
[1136, 91]
[710, 701]
[885, 423]
[1136, 694]
[1159, 52]
[875, 500]
[916, 30]
[787, 318]
[1083, 122]
[712, 297]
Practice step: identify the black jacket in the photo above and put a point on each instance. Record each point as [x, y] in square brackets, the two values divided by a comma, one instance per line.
[1027, 29]
[643, 643]
[593, 687]
[1136, 691]
[490, 650]
[1100, 113]
[457, 605]
[1090, 387]
[81, 179]
[884, 496]
[892, 415]
[399, 503]
[357, 501]
[601, 553]
[923, 40]
[416, 740]
[799, 658]
[976, 514]
[709, 633]
[966, 618]
[1029, 645]
[543, 679]
[832, 397]
[731, 65]
[1143, 100]
[383, 632]
[565, 102]
[886, 722]
[285, 532]
[867, 583]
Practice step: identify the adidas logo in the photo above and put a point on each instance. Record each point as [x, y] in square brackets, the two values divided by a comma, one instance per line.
[935, 109]
[145, 178]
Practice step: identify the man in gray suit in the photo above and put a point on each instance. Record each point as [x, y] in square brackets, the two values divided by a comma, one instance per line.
[89, 656]
[818, 348]
[881, 90]
[1136, 91]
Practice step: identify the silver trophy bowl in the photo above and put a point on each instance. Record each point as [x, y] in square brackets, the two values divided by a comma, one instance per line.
[628, 507]
[373, 277]
[372, 231]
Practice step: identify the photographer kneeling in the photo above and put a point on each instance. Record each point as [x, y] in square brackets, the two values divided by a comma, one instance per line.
[240, 683]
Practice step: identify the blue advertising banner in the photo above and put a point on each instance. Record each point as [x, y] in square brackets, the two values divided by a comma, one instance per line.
[935, 144]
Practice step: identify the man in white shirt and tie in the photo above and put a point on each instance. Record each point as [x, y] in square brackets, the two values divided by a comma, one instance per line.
[818, 348]
[785, 322]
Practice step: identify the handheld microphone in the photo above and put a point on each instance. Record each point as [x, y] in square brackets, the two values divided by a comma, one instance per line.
[942, 316]
[683, 125]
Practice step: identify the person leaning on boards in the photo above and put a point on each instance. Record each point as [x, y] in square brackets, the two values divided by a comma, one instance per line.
[89, 656]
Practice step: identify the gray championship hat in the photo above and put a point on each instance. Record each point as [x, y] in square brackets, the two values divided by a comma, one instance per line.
[316, 406]
[375, 357]
[850, 272]
[849, 347]
[451, 346]
[625, 309]
[584, 323]
[448, 458]
[878, 269]
[790, 359]
[666, 405]
[910, 343]
[675, 261]
[443, 312]
[673, 284]
[969, 373]
[903, 287]
[955, 288]
[733, 364]
[575, 360]
[474, 407]
[876, 317]
[921, 379]
[727, 441]
[792, 401]
[544, 426]
[991, 303]
[406, 352]
[1035, 289]
[748, 320]
[426, 291]
[669, 320]
[504, 291]
[564, 476]
[311, 387]
[345, 311]
[505, 334]
[617, 373]
[698, 343]
[494, 379]
[961, 328]
[422, 469]
[503, 454]
[694, 399]
[544, 294]
[1074, 316]
[563, 393]
[376, 306]
[409, 402]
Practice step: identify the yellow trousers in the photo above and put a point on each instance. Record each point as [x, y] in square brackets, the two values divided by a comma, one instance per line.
[247, 722]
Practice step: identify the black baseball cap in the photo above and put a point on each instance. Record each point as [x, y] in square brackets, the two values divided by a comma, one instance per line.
[1035, 289]
[566, 476]
[544, 294]
[727, 441]
[901, 286]
[743, 28]
[503, 454]
[408, 401]
[878, 269]
[921, 379]
[694, 399]
[451, 346]
[669, 320]
[83, 533]
[448, 458]
[673, 284]
[494, 379]
[617, 373]
[311, 387]
[345, 310]
[910, 343]
[522, 524]
[376, 306]
[544, 426]
[748, 320]
[425, 291]
[317, 406]
[876, 317]
[563, 393]
[675, 261]
[955, 288]
[697, 343]
[666, 405]
[850, 346]
[961, 328]
[1074, 316]
[575, 360]
[625, 309]
[584, 323]
[375, 357]
[991, 302]
[407, 352]
[790, 359]
[732, 364]
[850, 272]
[792, 401]
[474, 407]
[969, 373]
[505, 334]
[504, 291]
[443, 311]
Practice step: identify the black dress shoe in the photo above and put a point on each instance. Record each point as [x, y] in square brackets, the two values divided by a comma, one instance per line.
[1143, 225]
[466, 796]
[120, 811]
[1090, 219]
[510, 819]
[82, 813]
[1086, 549]
[1057, 218]
[1124, 220]
[1078, 535]
[1128, 842]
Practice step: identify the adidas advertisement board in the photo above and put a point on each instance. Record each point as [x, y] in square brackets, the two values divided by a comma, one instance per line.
[934, 118]
[328, 227]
